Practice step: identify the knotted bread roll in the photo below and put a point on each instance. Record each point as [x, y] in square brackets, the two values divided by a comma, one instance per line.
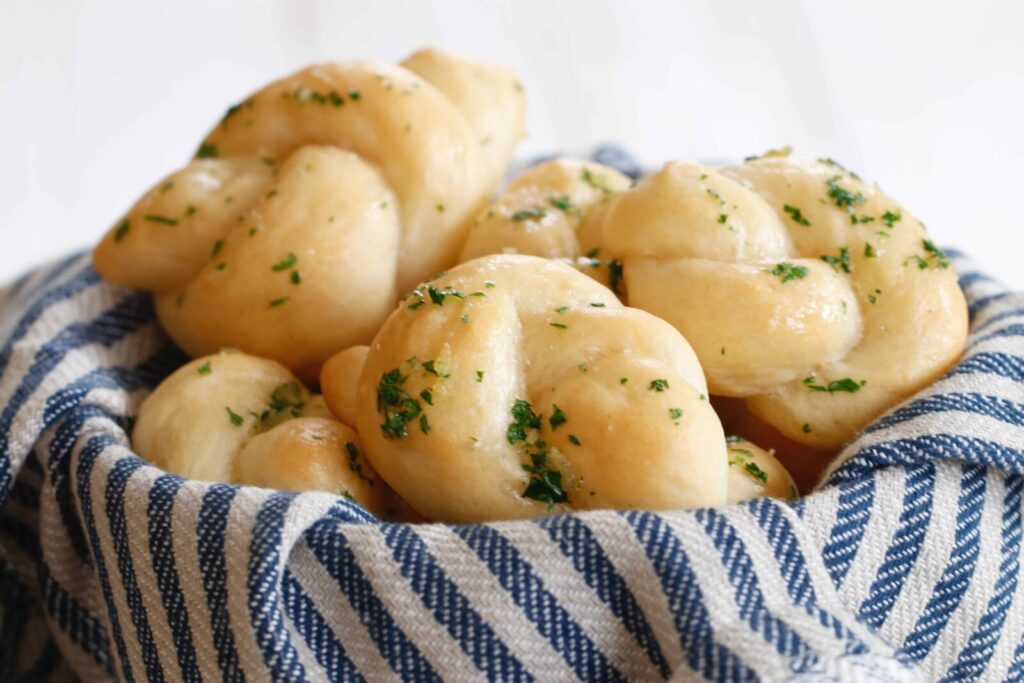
[756, 473]
[316, 202]
[513, 386]
[554, 210]
[236, 418]
[802, 288]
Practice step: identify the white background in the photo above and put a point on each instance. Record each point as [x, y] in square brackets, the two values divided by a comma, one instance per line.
[98, 100]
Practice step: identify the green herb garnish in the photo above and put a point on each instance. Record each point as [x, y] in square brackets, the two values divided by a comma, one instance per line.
[658, 385]
[557, 418]
[795, 214]
[155, 218]
[235, 418]
[848, 385]
[285, 263]
[529, 214]
[841, 262]
[842, 197]
[787, 271]
[122, 230]
[207, 151]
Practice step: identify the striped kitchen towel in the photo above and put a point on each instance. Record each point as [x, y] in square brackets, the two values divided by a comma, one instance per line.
[906, 565]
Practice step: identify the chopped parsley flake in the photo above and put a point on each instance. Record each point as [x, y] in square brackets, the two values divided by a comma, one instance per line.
[941, 260]
[561, 326]
[675, 413]
[847, 385]
[285, 263]
[529, 214]
[787, 271]
[207, 151]
[545, 484]
[890, 218]
[755, 472]
[658, 385]
[557, 418]
[424, 425]
[574, 441]
[869, 251]
[204, 369]
[122, 230]
[842, 197]
[523, 418]
[595, 181]
[234, 417]
[597, 304]
[479, 376]
[155, 218]
[353, 462]
[438, 296]
[806, 428]
[561, 309]
[841, 262]
[723, 217]
[296, 277]
[395, 403]
[561, 203]
[217, 246]
[430, 367]
[427, 397]
[795, 214]
[274, 303]
[714, 195]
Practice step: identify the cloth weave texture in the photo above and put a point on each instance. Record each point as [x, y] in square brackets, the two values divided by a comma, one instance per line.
[905, 565]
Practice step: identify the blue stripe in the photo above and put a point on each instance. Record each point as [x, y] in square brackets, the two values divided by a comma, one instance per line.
[159, 514]
[578, 543]
[996, 318]
[67, 290]
[783, 541]
[86, 461]
[975, 307]
[82, 627]
[682, 590]
[747, 590]
[108, 328]
[117, 481]
[545, 612]
[279, 654]
[977, 404]
[956, 578]
[992, 363]
[51, 273]
[1013, 330]
[902, 553]
[929, 447]
[303, 613]
[856, 502]
[451, 609]
[331, 549]
[211, 525]
[971, 662]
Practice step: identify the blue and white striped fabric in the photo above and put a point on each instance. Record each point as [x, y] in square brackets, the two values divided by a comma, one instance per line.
[906, 565]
